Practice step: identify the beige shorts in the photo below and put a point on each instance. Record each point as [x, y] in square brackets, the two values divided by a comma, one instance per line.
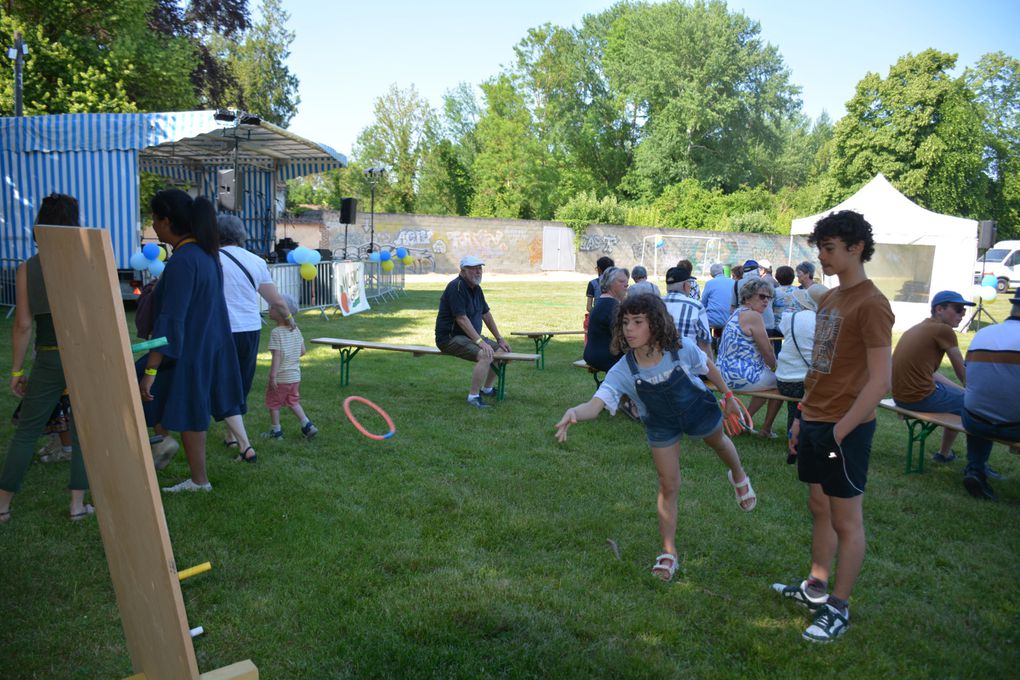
[465, 348]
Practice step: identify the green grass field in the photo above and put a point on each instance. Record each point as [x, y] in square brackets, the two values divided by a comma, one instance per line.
[473, 545]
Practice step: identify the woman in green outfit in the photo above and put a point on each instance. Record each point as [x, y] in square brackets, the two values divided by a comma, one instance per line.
[41, 390]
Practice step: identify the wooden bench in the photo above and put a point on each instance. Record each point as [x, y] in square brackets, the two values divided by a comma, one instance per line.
[350, 348]
[542, 339]
[920, 424]
[581, 363]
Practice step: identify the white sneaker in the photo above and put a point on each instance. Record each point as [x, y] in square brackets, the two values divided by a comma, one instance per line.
[188, 485]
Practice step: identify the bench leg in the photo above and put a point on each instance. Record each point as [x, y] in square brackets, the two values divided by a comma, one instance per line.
[540, 344]
[595, 376]
[499, 367]
[917, 433]
[346, 355]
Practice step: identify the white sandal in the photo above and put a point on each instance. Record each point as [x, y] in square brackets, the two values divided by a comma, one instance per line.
[665, 566]
[750, 495]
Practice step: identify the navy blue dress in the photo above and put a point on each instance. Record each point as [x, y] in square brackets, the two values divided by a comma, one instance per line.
[600, 334]
[199, 375]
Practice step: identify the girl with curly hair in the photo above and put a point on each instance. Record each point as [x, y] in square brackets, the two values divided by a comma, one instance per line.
[662, 376]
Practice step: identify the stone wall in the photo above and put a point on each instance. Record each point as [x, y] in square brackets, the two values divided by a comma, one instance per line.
[515, 246]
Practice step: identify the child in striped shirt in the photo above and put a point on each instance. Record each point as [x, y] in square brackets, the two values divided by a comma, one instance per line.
[287, 346]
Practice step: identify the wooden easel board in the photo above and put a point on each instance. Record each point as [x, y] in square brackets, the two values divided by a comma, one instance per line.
[96, 354]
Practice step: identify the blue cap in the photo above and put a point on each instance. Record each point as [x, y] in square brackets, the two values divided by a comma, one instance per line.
[750, 264]
[944, 297]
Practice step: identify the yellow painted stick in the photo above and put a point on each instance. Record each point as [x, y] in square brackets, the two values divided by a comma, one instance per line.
[188, 573]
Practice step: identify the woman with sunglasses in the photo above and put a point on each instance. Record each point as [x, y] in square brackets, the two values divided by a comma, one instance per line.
[746, 357]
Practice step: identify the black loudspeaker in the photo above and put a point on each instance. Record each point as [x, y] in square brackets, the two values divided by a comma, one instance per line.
[987, 230]
[348, 211]
[230, 189]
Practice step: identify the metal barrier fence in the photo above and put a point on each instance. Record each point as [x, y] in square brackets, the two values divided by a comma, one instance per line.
[8, 273]
[323, 291]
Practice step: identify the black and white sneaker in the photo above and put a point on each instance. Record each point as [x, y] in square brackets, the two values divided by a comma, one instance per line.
[477, 402]
[308, 430]
[273, 434]
[798, 593]
[828, 625]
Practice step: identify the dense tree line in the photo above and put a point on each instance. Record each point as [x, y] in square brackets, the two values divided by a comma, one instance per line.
[678, 114]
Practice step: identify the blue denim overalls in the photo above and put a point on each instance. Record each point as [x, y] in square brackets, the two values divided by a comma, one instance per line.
[675, 406]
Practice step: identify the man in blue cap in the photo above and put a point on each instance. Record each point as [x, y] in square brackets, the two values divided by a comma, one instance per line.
[917, 383]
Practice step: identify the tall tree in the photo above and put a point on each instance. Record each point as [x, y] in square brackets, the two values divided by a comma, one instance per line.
[703, 88]
[920, 128]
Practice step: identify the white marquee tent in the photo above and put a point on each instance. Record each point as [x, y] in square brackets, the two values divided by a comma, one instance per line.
[896, 219]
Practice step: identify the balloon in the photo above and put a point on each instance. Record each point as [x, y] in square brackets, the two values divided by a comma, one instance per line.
[151, 251]
[401, 253]
[407, 260]
[373, 257]
[975, 292]
[387, 265]
[315, 258]
[308, 271]
[302, 255]
[162, 254]
[139, 261]
[988, 293]
[661, 243]
[156, 267]
[290, 257]
[384, 255]
[989, 280]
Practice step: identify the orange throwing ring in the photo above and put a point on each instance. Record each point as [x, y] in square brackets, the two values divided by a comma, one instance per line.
[359, 427]
[734, 423]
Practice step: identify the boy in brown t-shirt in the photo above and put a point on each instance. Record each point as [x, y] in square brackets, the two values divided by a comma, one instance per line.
[916, 381]
[850, 373]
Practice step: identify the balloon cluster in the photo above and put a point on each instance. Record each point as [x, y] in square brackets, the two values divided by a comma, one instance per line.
[150, 258]
[307, 258]
[386, 258]
[986, 291]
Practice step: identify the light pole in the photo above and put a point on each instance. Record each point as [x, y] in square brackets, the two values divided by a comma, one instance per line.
[17, 53]
[374, 174]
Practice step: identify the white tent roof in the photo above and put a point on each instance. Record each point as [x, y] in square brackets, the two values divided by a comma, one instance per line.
[895, 219]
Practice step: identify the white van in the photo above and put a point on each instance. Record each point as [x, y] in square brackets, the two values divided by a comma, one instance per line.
[1003, 262]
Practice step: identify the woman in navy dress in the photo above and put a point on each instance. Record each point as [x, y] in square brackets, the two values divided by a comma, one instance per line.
[196, 374]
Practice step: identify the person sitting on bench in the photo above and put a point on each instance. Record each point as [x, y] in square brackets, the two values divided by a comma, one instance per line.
[917, 383]
[462, 309]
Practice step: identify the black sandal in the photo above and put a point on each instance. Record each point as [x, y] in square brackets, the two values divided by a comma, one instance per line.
[233, 443]
[244, 458]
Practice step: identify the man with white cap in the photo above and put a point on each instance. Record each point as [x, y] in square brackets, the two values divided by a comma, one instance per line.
[462, 310]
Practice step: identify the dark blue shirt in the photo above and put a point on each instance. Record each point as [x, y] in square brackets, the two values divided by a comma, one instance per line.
[459, 299]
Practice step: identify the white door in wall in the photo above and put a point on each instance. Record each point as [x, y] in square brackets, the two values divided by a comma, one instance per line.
[558, 253]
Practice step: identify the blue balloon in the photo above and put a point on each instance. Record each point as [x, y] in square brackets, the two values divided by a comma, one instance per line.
[401, 253]
[302, 255]
[139, 261]
[989, 280]
[373, 257]
[156, 267]
[151, 251]
[290, 257]
[384, 255]
[316, 257]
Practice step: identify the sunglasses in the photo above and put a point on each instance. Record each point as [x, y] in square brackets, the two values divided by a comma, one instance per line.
[763, 296]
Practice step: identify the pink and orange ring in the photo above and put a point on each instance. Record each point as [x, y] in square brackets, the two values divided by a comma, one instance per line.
[734, 423]
[359, 427]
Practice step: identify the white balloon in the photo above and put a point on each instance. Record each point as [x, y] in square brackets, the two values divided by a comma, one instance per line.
[975, 292]
[988, 293]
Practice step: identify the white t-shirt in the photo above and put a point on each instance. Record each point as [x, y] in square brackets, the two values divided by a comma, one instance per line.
[792, 365]
[619, 380]
[290, 344]
[242, 298]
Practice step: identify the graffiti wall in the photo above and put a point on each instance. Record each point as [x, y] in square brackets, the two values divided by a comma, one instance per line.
[515, 246]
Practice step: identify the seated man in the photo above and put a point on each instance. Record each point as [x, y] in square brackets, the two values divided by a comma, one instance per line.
[641, 283]
[917, 383]
[990, 406]
[462, 309]
[688, 314]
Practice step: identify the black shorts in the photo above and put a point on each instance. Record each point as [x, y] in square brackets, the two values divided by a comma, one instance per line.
[842, 470]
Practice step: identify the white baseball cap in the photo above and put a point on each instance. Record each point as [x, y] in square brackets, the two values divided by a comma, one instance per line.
[764, 264]
[470, 261]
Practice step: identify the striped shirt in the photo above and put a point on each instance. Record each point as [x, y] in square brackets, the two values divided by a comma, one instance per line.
[993, 372]
[290, 344]
[689, 315]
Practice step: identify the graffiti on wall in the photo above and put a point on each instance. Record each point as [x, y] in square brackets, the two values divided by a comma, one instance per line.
[604, 243]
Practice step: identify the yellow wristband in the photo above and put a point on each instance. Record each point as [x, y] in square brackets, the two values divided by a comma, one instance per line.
[290, 316]
[479, 341]
[151, 371]
[17, 374]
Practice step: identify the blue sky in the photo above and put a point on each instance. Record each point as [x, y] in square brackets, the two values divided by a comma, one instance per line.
[347, 54]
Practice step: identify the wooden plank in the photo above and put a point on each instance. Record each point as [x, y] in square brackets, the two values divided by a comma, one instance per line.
[96, 355]
[417, 350]
[539, 334]
[947, 420]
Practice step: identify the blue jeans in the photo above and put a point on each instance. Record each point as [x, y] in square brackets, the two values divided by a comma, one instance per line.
[978, 447]
[942, 400]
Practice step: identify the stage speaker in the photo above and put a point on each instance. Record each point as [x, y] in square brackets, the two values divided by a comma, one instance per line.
[987, 230]
[230, 189]
[348, 211]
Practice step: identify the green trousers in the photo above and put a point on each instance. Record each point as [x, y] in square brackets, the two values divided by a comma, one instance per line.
[45, 385]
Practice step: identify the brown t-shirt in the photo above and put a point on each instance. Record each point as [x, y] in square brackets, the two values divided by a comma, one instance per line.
[849, 322]
[918, 355]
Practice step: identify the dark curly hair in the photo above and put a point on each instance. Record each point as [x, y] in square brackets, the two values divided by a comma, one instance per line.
[660, 323]
[848, 226]
[59, 210]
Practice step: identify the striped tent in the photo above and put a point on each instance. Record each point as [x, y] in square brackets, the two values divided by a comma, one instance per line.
[97, 158]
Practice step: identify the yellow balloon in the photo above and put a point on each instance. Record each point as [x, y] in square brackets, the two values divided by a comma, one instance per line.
[162, 253]
[308, 271]
[387, 265]
[408, 260]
